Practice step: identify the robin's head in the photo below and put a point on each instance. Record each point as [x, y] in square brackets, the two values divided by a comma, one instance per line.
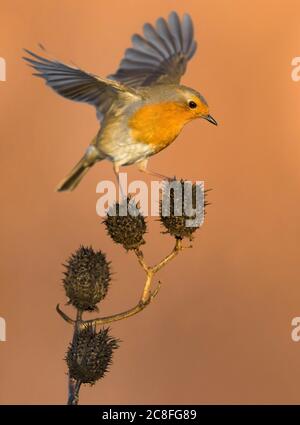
[193, 104]
[168, 108]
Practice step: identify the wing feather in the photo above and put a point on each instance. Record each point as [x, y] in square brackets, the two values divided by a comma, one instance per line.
[160, 55]
[75, 84]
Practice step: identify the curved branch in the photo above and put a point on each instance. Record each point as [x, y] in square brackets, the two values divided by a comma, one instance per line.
[65, 316]
[125, 314]
[178, 247]
[146, 297]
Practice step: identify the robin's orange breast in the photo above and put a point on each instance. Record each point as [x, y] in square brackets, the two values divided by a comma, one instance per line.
[158, 124]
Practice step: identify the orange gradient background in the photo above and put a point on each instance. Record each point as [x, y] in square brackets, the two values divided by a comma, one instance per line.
[220, 329]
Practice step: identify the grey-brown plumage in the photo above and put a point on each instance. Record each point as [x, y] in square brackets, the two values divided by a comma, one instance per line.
[149, 74]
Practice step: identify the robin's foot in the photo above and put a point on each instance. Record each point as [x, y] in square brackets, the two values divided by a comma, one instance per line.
[142, 166]
[160, 176]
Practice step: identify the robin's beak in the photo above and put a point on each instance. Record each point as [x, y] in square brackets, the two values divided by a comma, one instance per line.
[210, 119]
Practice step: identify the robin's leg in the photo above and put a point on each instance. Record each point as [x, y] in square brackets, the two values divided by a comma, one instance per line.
[142, 166]
[116, 171]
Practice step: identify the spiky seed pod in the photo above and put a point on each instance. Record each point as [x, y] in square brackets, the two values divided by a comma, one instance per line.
[125, 224]
[90, 354]
[87, 278]
[177, 197]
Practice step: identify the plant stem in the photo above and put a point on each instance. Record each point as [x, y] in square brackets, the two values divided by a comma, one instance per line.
[74, 387]
[73, 384]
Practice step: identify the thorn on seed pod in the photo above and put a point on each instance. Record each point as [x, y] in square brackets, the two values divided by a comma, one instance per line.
[87, 278]
[125, 224]
[90, 354]
[182, 208]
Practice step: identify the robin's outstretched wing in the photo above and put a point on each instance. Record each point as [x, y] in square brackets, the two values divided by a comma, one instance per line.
[161, 55]
[75, 84]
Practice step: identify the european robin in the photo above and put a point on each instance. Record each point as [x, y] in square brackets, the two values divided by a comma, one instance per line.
[142, 107]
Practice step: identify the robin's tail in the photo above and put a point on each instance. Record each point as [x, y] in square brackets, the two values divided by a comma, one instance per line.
[79, 171]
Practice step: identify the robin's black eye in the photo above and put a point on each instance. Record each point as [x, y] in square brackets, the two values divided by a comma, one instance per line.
[192, 104]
